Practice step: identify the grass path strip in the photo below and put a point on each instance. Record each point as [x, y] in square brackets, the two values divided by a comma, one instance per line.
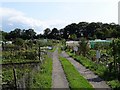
[74, 78]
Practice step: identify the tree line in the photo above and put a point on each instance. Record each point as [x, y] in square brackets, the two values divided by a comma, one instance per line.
[91, 31]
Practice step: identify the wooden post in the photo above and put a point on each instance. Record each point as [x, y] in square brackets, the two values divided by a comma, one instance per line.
[39, 52]
[15, 81]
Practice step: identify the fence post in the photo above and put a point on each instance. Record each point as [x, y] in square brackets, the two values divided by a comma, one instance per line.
[15, 79]
[39, 52]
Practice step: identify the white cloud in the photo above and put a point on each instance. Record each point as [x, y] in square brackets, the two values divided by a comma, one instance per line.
[12, 18]
[10, 12]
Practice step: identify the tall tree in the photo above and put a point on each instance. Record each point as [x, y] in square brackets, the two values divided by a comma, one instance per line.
[115, 52]
[81, 31]
[54, 33]
[69, 30]
[47, 31]
[28, 34]
[15, 34]
[4, 35]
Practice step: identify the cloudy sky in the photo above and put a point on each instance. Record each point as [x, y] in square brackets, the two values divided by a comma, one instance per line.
[41, 15]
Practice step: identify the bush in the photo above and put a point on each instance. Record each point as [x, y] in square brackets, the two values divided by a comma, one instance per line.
[31, 55]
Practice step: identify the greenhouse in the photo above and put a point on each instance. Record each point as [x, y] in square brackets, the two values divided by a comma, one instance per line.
[93, 42]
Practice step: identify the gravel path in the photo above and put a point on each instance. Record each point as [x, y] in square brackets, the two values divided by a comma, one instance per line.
[95, 81]
[58, 77]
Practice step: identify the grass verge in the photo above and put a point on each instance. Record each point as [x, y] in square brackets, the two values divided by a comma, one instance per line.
[74, 78]
[43, 78]
[59, 50]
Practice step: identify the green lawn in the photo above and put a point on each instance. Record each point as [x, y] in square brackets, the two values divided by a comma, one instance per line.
[74, 78]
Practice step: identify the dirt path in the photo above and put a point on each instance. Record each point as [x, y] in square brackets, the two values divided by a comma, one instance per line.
[95, 81]
[58, 77]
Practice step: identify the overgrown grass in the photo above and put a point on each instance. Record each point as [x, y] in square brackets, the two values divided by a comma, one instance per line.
[99, 69]
[59, 49]
[43, 78]
[7, 73]
[9, 61]
[74, 78]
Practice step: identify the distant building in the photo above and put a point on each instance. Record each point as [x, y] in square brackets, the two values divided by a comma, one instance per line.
[93, 42]
[72, 43]
[7, 42]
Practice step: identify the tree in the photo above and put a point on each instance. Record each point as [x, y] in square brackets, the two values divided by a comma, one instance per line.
[83, 46]
[30, 33]
[69, 30]
[99, 34]
[61, 31]
[82, 29]
[54, 33]
[38, 36]
[3, 36]
[18, 42]
[115, 52]
[15, 34]
[73, 36]
[91, 28]
[47, 31]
